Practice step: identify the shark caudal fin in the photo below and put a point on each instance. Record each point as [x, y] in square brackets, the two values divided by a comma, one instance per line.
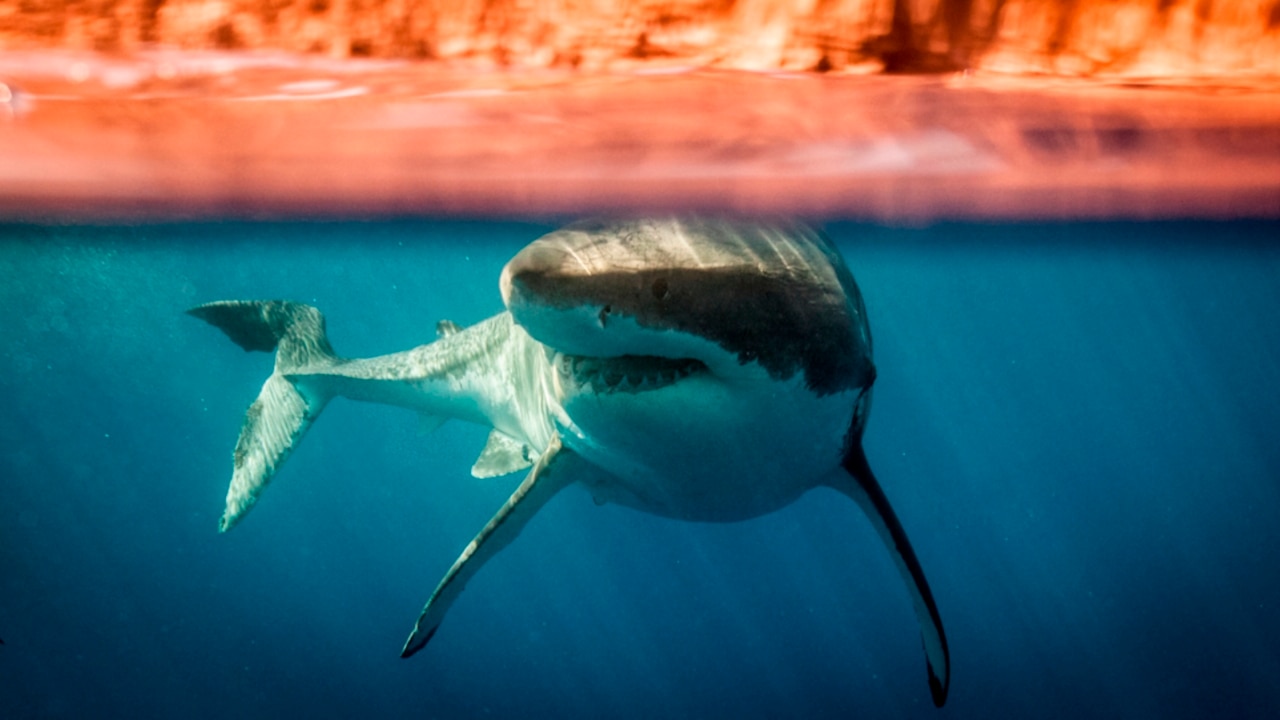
[287, 404]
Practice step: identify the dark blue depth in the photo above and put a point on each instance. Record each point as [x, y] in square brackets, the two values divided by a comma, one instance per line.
[1079, 426]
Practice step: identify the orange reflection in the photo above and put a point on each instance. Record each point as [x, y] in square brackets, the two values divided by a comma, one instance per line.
[996, 108]
[1157, 38]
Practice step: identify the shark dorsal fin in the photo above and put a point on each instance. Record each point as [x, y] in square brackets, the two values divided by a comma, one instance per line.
[502, 455]
[445, 328]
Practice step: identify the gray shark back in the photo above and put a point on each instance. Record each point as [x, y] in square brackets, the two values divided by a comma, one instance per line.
[777, 294]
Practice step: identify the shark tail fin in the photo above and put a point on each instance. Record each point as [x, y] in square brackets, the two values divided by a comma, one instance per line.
[287, 404]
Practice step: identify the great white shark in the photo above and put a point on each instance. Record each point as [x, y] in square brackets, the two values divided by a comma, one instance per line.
[697, 369]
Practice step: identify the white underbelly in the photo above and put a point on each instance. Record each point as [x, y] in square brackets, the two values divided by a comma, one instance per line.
[705, 449]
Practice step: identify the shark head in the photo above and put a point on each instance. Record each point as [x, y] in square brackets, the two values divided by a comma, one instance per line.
[641, 305]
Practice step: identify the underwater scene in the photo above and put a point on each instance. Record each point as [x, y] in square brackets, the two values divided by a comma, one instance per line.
[741, 359]
[1074, 421]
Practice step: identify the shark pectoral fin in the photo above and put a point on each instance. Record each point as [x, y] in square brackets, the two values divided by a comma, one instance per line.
[860, 484]
[502, 455]
[273, 425]
[547, 478]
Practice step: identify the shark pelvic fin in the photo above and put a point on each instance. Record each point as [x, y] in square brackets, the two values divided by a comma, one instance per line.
[287, 404]
[861, 485]
[502, 455]
[551, 474]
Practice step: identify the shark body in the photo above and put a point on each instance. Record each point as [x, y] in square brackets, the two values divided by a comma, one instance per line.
[696, 369]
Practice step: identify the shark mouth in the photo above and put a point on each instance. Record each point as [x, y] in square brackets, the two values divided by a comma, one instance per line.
[626, 373]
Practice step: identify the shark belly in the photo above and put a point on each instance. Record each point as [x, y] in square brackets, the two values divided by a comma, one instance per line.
[707, 449]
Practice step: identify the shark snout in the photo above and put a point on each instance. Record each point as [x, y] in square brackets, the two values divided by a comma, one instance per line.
[553, 294]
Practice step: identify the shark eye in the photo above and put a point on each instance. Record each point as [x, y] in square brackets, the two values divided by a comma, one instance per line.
[660, 288]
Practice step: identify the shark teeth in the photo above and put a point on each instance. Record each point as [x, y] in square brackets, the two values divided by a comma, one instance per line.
[627, 373]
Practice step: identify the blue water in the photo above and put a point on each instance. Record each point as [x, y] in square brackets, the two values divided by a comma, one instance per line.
[1077, 424]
